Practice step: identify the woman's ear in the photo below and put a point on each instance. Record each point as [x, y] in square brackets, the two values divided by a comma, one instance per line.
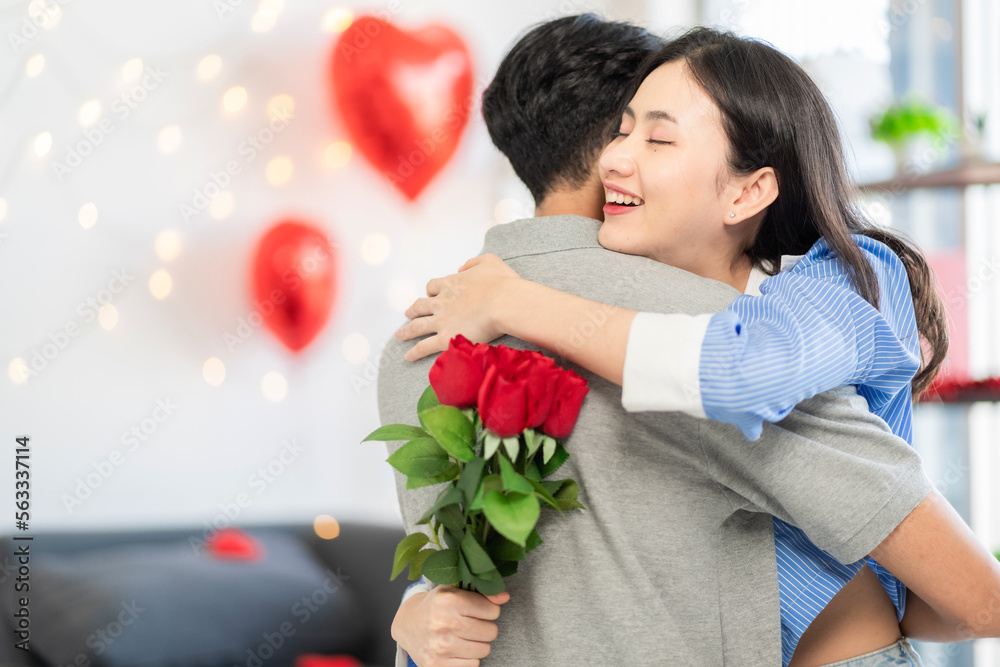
[756, 191]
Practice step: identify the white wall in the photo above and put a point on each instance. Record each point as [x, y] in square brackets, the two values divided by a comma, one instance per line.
[102, 383]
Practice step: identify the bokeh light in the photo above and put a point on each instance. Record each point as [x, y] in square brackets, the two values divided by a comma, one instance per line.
[107, 317]
[89, 113]
[209, 67]
[214, 371]
[168, 245]
[280, 107]
[43, 144]
[35, 65]
[234, 99]
[279, 170]
[169, 139]
[326, 527]
[87, 216]
[274, 386]
[160, 284]
[375, 249]
[338, 19]
[356, 348]
[17, 370]
[221, 205]
[132, 70]
[337, 154]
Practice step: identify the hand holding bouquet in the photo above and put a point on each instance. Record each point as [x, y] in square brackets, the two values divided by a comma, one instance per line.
[491, 421]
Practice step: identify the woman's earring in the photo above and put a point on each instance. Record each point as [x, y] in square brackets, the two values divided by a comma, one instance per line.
[732, 215]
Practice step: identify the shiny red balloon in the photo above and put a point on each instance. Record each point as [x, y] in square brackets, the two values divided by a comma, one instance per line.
[294, 276]
[404, 96]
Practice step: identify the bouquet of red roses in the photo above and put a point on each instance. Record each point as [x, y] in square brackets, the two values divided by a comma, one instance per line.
[491, 421]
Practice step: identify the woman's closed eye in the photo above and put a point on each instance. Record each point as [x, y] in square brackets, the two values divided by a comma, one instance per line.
[659, 142]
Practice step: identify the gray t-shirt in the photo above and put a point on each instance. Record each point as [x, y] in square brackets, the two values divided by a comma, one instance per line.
[673, 560]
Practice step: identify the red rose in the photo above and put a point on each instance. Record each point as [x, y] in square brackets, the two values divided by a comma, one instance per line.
[458, 373]
[503, 404]
[542, 376]
[570, 392]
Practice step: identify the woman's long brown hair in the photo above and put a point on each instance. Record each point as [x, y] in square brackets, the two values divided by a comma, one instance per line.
[775, 116]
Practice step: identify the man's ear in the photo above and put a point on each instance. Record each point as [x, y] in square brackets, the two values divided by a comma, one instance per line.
[754, 193]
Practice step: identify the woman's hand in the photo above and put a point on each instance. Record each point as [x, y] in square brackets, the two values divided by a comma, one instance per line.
[463, 303]
[447, 627]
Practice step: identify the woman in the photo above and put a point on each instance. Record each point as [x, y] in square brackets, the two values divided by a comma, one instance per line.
[722, 171]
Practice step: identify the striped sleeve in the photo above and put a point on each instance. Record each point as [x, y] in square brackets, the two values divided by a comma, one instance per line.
[809, 332]
[422, 585]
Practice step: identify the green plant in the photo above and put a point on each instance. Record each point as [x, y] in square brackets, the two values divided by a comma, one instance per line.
[910, 118]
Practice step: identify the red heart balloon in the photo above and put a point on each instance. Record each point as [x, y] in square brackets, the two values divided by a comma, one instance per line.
[404, 97]
[293, 282]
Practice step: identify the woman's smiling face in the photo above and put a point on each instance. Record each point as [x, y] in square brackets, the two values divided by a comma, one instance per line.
[670, 159]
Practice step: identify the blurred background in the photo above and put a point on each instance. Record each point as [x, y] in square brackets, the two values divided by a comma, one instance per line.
[147, 150]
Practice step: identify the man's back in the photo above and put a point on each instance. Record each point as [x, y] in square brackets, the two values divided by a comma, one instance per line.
[665, 564]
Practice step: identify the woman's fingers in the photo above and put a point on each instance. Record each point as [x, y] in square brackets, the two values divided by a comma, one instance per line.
[426, 346]
[419, 308]
[478, 630]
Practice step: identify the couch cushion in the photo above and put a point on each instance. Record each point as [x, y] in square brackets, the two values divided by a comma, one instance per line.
[173, 604]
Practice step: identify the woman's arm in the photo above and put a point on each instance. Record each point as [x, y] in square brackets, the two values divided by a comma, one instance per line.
[809, 332]
[953, 582]
[487, 299]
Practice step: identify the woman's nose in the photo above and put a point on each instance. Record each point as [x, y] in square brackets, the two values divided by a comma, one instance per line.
[617, 160]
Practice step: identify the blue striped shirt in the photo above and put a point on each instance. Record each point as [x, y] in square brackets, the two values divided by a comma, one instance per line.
[808, 332]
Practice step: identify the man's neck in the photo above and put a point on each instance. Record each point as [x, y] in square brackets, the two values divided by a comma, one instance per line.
[585, 201]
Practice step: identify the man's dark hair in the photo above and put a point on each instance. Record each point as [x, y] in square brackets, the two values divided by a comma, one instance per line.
[558, 95]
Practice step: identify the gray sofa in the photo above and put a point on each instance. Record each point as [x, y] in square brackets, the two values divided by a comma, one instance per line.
[362, 554]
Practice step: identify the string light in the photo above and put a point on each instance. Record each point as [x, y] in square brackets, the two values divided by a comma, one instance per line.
[222, 205]
[17, 370]
[214, 371]
[43, 143]
[87, 215]
[338, 19]
[234, 99]
[132, 70]
[326, 527]
[35, 65]
[160, 284]
[169, 139]
[279, 170]
[107, 317]
[280, 107]
[274, 386]
[168, 245]
[337, 154]
[356, 348]
[88, 113]
[375, 249]
[208, 67]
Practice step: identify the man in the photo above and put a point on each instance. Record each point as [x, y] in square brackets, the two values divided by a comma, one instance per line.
[673, 560]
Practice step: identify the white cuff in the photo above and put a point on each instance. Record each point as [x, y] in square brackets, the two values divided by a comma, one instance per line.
[662, 363]
[422, 586]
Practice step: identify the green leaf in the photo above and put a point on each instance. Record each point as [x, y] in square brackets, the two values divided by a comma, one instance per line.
[544, 494]
[501, 549]
[450, 473]
[532, 472]
[427, 400]
[416, 565]
[448, 496]
[441, 567]
[452, 429]
[512, 445]
[422, 457]
[532, 441]
[451, 517]
[555, 462]
[548, 448]
[479, 561]
[463, 571]
[507, 568]
[469, 480]
[567, 495]
[490, 583]
[406, 550]
[489, 483]
[453, 539]
[513, 514]
[534, 540]
[492, 443]
[393, 432]
[513, 480]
